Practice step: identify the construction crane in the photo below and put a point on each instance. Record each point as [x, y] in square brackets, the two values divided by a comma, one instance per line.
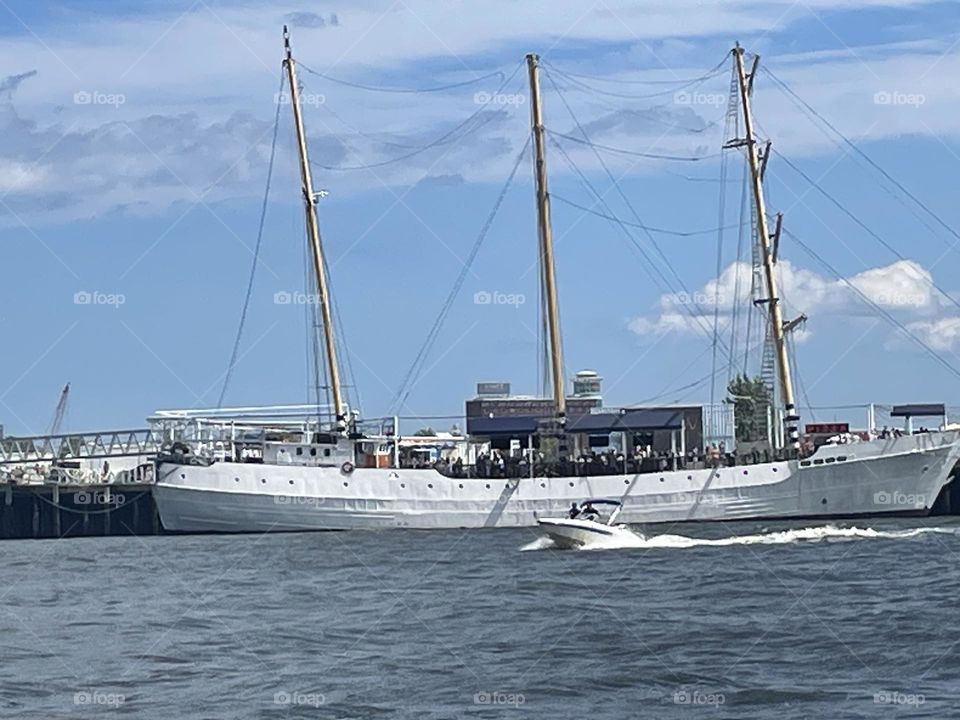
[59, 413]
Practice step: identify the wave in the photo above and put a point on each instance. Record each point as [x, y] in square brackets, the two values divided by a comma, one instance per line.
[829, 533]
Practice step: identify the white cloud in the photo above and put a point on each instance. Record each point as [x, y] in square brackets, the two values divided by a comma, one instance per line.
[213, 70]
[903, 289]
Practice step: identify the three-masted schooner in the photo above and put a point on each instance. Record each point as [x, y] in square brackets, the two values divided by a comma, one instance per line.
[334, 477]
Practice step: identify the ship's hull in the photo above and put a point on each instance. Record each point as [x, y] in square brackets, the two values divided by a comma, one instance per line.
[895, 476]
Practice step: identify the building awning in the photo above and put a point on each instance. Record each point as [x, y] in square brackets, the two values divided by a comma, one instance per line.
[588, 424]
[919, 410]
[627, 421]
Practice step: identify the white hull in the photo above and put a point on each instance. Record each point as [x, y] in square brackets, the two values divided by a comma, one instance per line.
[893, 476]
[574, 533]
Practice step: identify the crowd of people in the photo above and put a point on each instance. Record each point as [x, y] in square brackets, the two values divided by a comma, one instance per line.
[497, 464]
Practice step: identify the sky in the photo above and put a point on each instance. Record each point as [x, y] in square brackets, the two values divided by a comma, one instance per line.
[134, 157]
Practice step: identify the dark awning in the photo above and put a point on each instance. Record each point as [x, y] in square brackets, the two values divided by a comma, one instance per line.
[590, 424]
[919, 410]
[509, 425]
[627, 421]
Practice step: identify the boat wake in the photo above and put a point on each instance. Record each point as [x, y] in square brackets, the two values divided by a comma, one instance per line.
[828, 533]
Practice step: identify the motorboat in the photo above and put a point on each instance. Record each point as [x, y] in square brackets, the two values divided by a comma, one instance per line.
[594, 521]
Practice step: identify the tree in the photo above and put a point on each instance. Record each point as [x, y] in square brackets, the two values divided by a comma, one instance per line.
[424, 432]
[750, 398]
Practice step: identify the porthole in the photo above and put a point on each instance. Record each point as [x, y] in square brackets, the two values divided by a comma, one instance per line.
[183, 476]
[830, 460]
[746, 472]
[346, 484]
[461, 486]
[689, 477]
[326, 452]
[236, 479]
[823, 502]
[625, 482]
[299, 451]
[290, 481]
[842, 458]
[488, 486]
[804, 463]
[313, 452]
[430, 485]
[403, 485]
[661, 479]
[571, 484]
[263, 480]
[774, 469]
[818, 462]
[543, 485]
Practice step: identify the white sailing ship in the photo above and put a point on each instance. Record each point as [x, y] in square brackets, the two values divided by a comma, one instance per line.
[279, 469]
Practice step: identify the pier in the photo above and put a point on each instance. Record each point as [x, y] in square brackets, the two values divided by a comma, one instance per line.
[89, 510]
[42, 495]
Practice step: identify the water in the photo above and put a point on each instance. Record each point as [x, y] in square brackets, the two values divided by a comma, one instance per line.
[727, 620]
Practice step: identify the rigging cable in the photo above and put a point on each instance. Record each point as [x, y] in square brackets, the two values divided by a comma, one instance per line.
[800, 101]
[889, 317]
[692, 311]
[650, 228]
[735, 321]
[416, 367]
[438, 141]
[256, 252]
[707, 75]
[572, 79]
[861, 224]
[404, 91]
[621, 151]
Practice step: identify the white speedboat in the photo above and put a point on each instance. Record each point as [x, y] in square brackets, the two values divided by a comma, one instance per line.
[588, 526]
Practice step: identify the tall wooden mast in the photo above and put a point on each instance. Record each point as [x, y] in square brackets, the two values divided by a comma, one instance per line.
[549, 277]
[777, 327]
[313, 231]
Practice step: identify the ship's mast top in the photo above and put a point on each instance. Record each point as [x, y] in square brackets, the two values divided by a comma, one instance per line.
[313, 233]
[778, 328]
[548, 274]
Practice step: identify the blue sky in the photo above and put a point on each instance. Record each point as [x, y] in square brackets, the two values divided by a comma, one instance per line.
[133, 162]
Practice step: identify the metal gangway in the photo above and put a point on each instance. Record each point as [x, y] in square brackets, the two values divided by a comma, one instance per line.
[80, 446]
[205, 431]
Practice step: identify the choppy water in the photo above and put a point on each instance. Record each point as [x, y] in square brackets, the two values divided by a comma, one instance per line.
[732, 621]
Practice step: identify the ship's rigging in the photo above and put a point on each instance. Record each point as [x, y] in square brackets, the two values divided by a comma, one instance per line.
[734, 342]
